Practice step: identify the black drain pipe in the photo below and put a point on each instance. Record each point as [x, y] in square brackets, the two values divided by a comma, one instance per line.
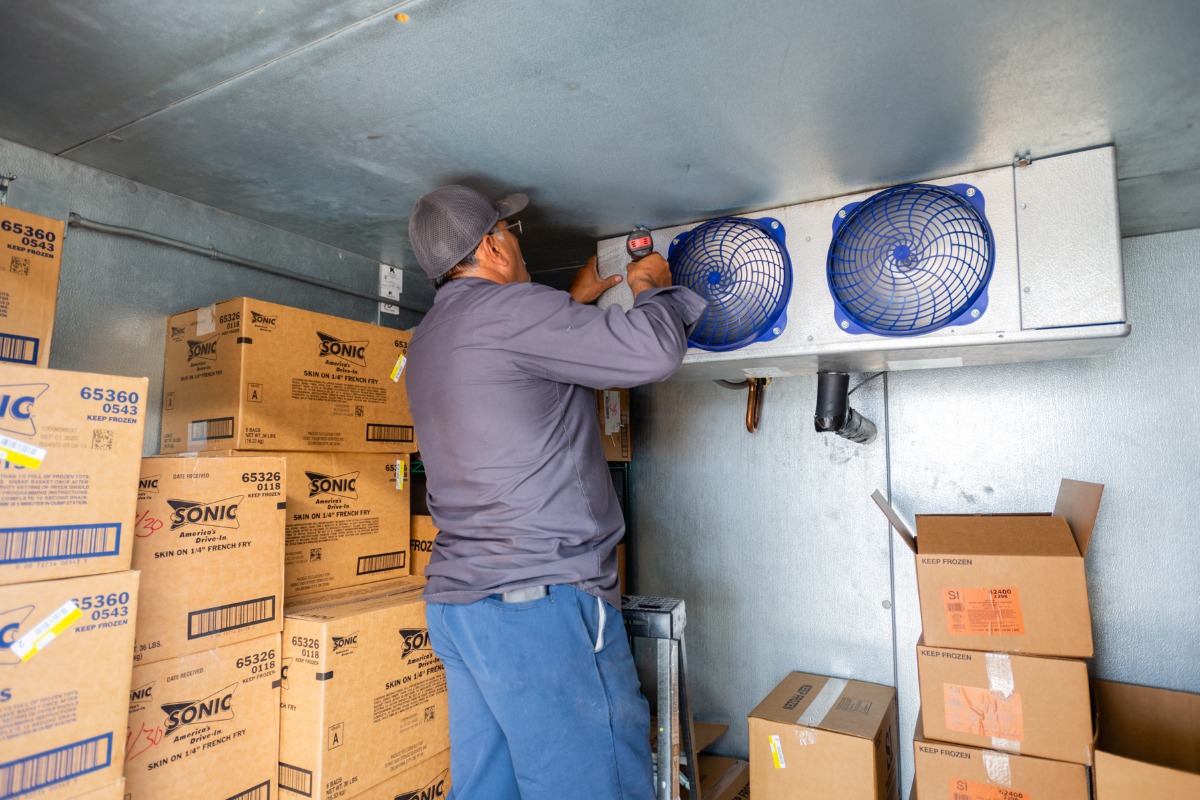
[834, 412]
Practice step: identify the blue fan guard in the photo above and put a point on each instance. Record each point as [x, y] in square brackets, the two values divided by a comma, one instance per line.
[910, 260]
[741, 267]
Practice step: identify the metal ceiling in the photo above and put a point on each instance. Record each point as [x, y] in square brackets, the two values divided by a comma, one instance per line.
[329, 118]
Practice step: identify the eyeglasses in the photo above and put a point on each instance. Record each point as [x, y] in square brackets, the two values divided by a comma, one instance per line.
[513, 227]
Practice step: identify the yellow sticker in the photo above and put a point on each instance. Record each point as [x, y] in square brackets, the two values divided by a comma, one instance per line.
[46, 631]
[401, 473]
[777, 752]
[398, 370]
[21, 454]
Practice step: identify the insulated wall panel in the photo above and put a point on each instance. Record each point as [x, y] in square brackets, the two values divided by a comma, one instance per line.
[780, 559]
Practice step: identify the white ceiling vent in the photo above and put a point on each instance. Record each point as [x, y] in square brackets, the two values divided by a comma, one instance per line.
[1019, 263]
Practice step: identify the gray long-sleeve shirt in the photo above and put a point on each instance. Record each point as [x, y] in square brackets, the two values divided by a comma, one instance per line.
[500, 380]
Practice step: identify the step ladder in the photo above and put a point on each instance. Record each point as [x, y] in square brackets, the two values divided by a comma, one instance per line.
[662, 619]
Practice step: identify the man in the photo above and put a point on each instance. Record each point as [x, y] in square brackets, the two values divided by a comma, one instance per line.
[523, 603]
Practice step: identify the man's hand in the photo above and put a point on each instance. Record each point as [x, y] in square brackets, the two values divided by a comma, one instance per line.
[651, 272]
[588, 285]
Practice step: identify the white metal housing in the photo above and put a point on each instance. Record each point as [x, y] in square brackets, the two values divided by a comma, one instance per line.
[1057, 289]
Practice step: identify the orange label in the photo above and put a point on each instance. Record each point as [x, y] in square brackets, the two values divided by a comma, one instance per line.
[969, 790]
[983, 713]
[984, 612]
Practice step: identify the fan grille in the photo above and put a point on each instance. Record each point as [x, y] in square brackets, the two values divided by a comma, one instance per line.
[743, 271]
[910, 260]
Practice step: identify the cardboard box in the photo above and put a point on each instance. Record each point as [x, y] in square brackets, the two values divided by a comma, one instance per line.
[612, 409]
[1006, 582]
[209, 542]
[70, 450]
[347, 520]
[249, 375]
[735, 785]
[206, 725]
[428, 780]
[114, 791]
[65, 675]
[722, 778]
[346, 517]
[1016, 703]
[957, 772]
[365, 697]
[825, 737]
[30, 258]
[422, 537]
[1149, 743]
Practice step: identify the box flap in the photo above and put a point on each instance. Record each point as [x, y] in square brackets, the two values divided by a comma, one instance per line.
[896, 520]
[1153, 725]
[995, 535]
[1079, 503]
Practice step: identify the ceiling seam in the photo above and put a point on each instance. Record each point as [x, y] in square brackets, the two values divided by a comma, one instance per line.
[252, 70]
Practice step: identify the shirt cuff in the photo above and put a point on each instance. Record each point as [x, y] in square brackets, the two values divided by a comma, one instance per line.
[683, 301]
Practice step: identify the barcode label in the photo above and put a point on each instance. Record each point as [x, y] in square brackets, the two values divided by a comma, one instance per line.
[206, 430]
[953, 607]
[389, 433]
[21, 454]
[958, 796]
[54, 766]
[295, 779]
[52, 542]
[260, 792]
[18, 349]
[383, 562]
[211, 621]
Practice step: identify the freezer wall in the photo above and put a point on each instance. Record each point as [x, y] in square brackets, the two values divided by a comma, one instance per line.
[786, 564]
[115, 293]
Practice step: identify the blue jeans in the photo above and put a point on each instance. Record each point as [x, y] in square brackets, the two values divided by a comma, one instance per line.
[544, 700]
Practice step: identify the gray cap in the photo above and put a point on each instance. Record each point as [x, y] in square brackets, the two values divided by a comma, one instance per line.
[449, 223]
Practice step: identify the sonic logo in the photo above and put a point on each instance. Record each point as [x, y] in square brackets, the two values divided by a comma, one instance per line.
[16, 407]
[205, 349]
[283, 673]
[261, 319]
[217, 706]
[177, 332]
[335, 485]
[431, 791]
[141, 697]
[149, 484]
[10, 628]
[343, 645]
[342, 486]
[219, 514]
[350, 352]
[414, 639]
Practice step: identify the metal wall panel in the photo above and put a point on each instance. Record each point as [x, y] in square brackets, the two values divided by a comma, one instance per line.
[781, 557]
[115, 293]
[769, 538]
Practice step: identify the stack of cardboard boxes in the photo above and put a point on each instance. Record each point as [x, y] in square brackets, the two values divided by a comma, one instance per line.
[276, 551]
[1005, 702]
[70, 445]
